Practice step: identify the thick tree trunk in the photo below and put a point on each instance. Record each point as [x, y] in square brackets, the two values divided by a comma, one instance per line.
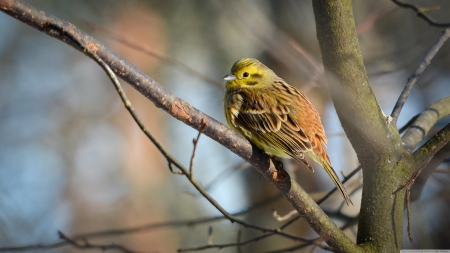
[376, 142]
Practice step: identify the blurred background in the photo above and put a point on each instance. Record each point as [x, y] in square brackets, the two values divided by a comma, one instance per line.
[72, 159]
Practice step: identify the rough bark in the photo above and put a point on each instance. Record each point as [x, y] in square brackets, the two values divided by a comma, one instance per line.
[376, 142]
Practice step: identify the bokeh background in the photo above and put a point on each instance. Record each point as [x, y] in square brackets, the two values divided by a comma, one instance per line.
[72, 159]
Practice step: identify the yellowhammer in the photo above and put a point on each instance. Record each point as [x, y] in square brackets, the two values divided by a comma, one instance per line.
[275, 116]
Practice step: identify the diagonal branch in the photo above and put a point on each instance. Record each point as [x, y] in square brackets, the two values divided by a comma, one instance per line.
[421, 14]
[419, 128]
[427, 151]
[184, 112]
[87, 245]
[313, 242]
[415, 76]
[429, 169]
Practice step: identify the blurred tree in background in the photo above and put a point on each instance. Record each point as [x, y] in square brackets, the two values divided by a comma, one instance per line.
[73, 160]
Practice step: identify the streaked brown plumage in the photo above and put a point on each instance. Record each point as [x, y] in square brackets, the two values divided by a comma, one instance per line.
[275, 116]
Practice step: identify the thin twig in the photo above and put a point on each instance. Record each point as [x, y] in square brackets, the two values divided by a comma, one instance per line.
[323, 199]
[238, 240]
[174, 224]
[87, 245]
[408, 201]
[424, 154]
[227, 245]
[421, 14]
[195, 142]
[141, 228]
[315, 241]
[415, 76]
[320, 201]
[127, 103]
[284, 217]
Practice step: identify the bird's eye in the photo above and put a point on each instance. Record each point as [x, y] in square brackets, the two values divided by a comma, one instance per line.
[246, 74]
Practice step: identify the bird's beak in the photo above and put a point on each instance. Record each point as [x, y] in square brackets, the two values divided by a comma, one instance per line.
[229, 77]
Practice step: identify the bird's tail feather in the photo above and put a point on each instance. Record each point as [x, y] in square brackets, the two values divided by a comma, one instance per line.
[337, 182]
[332, 174]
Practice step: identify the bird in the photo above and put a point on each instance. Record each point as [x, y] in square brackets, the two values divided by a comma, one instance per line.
[276, 117]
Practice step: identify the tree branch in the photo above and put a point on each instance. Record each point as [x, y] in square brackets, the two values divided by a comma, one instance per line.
[424, 154]
[184, 112]
[430, 168]
[311, 242]
[87, 245]
[415, 76]
[136, 229]
[421, 14]
[424, 122]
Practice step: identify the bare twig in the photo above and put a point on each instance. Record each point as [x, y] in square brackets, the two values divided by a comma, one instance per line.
[323, 199]
[315, 241]
[421, 13]
[127, 103]
[419, 126]
[424, 154]
[181, 223]
[137, 229]
[227, 245]
[87, 245]
[428, 171]
[195, 142]
[408, 202]
[417, 73]
[284, 217]
[238, 240]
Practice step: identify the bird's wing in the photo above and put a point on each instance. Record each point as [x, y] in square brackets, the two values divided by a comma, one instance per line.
[270, 120]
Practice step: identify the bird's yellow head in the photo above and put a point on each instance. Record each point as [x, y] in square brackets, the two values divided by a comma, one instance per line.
[248, 73]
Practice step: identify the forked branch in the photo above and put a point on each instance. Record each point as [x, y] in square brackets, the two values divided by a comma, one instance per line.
[417, 73]
[419, 128]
